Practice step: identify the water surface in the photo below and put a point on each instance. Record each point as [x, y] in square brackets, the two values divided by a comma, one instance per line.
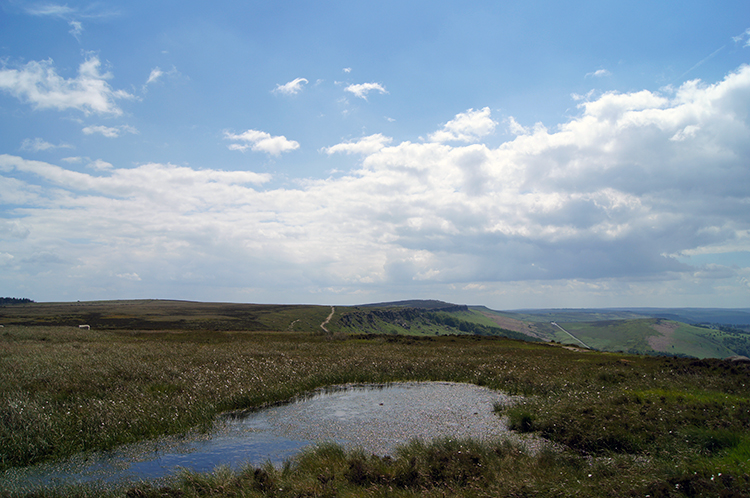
[375, 418]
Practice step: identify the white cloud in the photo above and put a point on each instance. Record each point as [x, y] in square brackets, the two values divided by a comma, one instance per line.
[130, 276]
[744, 37]
[70, 15]
[108, 131]
[155, 74]
[39, 84]
[13, 229]
[365, 145]
[515, 127]
[685, 133]
[361, 90]
[100, 165]
[50, 9]
[347, 70]
[291, 88]
[5, 258]
[260, 141]
[76, 28]
[579, 97]
[599, 73]
[39, 144]
[597, 206]
[467, 126]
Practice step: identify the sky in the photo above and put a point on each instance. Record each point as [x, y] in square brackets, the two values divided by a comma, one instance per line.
[519, 154]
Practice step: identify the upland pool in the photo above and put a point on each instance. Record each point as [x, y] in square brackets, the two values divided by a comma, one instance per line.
[376, 418]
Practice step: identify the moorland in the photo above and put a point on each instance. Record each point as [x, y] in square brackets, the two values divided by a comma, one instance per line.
[618, 423]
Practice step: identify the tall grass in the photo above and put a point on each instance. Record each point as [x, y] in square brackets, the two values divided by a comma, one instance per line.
[621, 423]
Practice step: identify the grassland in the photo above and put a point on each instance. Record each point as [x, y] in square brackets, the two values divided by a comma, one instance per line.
[646, 336]
[622, 425]
[157, 314]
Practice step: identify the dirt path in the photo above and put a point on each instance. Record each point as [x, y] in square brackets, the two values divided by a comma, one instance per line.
[571, 335]
[323, 325]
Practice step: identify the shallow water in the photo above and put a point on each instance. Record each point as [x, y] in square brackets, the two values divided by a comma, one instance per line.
[375, 418]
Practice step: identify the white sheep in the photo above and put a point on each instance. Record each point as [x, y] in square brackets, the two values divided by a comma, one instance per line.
[87, 327]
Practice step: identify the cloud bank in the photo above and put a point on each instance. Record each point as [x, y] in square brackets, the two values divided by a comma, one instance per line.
[624, 192]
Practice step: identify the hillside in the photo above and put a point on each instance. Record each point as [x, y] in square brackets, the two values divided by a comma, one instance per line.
[638, 330]
[701, 333]
[418, 318]
[158, 314]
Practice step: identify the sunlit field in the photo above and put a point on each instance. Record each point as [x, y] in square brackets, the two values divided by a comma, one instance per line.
[619, 425]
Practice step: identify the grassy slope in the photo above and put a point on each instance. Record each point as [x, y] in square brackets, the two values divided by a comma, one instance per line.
[406, 320]
[643, 337]
[621, 330]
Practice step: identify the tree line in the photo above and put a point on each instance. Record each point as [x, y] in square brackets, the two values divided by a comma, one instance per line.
[14, 300]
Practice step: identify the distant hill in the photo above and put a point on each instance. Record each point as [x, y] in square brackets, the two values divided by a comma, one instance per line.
[697, 332]
[693, 316]
[418, 317]
[161, 314]
[425, 304]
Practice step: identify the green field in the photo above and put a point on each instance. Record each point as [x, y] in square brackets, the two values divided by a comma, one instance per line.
[632, 332]
[620, 424]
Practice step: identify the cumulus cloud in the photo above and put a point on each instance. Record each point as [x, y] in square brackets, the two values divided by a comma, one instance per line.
[260, 141]
[361, 90]
[291, 88]
[109, 131]
[467, 126]
[365, 145]
[604, 203]
[39, 84]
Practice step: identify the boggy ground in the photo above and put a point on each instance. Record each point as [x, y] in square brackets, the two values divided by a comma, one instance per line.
[622, 425]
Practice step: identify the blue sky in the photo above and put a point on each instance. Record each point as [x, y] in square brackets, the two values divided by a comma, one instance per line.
[511, 154]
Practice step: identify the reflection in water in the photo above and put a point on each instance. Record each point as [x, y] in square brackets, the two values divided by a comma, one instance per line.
[375, 418]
